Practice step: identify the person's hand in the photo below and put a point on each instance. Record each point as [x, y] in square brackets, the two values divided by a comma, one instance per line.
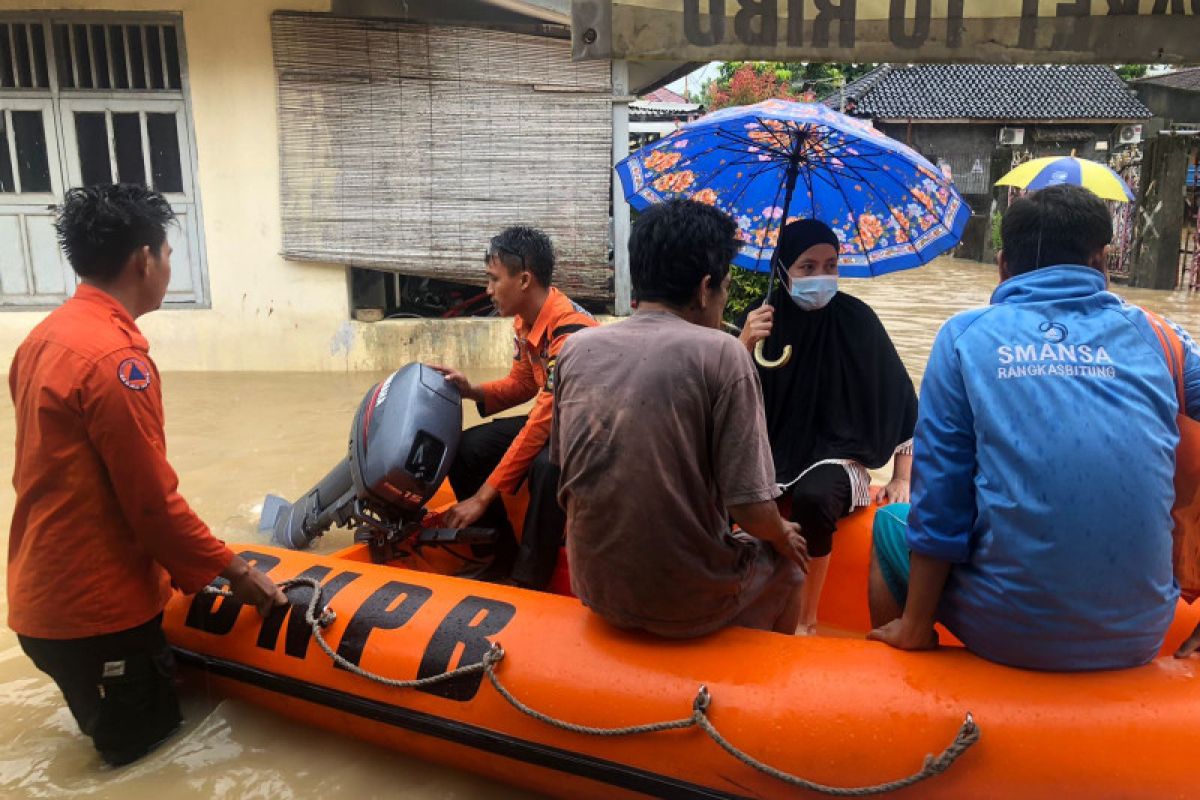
[1190, 645]
[792, 546]
[465, 514]
[457, 380]
[757, 327]
[902, 637]
[252, 587]
[897, 491]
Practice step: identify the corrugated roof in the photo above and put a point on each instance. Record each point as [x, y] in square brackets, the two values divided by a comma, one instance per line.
[994, 92]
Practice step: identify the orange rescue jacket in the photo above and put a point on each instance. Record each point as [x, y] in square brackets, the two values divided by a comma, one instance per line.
[531, 374]
[99, 531]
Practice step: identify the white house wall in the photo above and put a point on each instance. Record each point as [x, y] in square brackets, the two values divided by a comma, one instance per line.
[265, 313]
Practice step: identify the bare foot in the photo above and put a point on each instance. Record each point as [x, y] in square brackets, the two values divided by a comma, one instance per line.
[807, 630]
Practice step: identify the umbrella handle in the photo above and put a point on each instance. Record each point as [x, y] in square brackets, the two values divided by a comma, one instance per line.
[760, 355]
[761, 358]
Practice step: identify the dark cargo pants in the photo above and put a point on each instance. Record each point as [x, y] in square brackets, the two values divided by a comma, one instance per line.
[531, 562]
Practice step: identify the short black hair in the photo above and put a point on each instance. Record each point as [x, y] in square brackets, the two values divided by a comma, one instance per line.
[1063, 224]
[672, 247]
[522, 247]
[100, 226]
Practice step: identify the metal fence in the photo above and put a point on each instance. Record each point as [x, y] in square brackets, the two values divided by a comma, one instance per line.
[968, 169]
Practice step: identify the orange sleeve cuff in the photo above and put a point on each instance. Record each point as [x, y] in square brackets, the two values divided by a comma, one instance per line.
[202, 568]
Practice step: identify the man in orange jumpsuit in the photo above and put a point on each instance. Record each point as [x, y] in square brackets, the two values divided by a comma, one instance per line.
[498, 457]
[100, 533]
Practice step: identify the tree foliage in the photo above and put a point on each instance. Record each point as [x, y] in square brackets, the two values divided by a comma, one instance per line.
[1129, 72]
[746, 82]
[744, 288]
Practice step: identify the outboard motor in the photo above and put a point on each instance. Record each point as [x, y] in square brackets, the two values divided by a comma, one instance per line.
[402, 444]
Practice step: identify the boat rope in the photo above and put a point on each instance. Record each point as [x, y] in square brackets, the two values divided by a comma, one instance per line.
[319, 617]
[325, 617]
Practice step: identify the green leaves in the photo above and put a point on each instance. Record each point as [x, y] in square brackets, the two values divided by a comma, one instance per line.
[745, 287]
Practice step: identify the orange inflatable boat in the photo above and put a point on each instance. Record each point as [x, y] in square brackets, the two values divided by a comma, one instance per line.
[835, 710]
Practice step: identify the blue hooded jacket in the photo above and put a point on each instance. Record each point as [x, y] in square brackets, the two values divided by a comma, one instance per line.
[1043, 469]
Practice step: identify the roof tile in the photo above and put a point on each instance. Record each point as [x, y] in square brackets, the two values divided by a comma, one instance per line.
[1188, 79]
[664, 95]
[994, 92]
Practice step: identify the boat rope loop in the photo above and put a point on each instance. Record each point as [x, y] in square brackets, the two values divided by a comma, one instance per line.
[319, 617]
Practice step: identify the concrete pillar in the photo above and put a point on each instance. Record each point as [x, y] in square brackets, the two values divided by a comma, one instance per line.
[1155, 262]
[622, 288]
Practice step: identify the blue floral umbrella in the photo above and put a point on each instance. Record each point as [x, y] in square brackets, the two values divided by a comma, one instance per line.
[777, 161]
[773, 162]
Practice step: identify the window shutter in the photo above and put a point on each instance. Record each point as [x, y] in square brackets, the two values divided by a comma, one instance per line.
[407, 147]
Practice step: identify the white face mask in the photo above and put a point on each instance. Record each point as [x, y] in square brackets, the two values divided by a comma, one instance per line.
[813, 292]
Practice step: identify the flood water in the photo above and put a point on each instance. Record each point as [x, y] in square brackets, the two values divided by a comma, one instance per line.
[236, 437]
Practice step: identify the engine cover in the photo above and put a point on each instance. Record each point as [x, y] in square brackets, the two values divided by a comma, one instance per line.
[404, 439]
[402, 443]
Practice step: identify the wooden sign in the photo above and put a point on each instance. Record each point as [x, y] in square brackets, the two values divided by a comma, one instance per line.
[899, 31]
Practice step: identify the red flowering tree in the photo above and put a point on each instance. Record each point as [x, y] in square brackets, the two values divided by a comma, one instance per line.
[750, 83]
[788, 80]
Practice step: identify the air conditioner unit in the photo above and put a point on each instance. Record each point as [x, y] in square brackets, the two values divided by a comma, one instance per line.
[1129, 134]
[1014, 136]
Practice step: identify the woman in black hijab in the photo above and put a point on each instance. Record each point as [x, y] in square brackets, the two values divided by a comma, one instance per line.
[841, 405]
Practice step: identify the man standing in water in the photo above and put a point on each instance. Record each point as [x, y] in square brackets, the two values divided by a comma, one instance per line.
[100, 533]
[498, 457]
[1040, 531]
[660, 433]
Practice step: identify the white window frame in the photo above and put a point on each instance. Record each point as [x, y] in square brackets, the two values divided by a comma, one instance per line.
[9, 104]
[63, 154]
[26, 208]
[140, 107]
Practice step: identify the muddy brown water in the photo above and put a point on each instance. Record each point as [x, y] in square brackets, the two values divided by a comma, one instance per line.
[234, 438]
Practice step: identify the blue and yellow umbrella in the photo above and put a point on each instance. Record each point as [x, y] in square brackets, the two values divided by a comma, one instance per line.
[1055, 170]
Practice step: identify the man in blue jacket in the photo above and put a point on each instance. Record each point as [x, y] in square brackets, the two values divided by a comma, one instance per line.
[1044, 454]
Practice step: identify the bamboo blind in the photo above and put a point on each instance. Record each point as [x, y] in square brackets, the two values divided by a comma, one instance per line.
[407, 147]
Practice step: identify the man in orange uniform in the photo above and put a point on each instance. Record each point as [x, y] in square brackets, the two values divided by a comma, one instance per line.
[497, 457]
[100, 532]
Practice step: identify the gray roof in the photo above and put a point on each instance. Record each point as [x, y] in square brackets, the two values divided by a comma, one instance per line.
[1188, 79]
[999, 92]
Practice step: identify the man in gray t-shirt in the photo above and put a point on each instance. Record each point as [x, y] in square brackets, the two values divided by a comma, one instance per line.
[660, 434]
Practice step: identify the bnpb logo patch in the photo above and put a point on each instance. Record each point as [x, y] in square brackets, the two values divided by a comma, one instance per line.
[134, 373]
